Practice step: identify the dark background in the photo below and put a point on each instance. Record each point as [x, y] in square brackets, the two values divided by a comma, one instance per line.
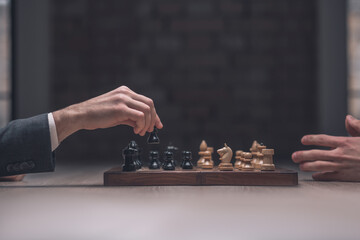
[223, 71]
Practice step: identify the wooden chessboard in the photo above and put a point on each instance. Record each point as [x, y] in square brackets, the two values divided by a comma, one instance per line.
[196, 176]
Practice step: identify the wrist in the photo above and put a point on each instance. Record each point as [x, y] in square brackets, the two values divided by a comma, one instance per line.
[67, 121]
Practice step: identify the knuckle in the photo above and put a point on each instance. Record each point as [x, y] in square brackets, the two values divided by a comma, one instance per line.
[320, 138]
[121, 107]
[122, 98]
[123, 89]
[119, 98]
[337, 154]
[147, 109]
[141, 115]
[150, 102]
[337, 151]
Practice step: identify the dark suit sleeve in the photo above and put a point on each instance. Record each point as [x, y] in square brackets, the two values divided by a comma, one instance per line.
[25, 147]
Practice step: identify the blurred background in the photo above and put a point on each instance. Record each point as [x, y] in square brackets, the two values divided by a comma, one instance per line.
[221, 70]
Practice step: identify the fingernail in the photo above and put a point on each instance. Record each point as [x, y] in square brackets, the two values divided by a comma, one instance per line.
[351, 117]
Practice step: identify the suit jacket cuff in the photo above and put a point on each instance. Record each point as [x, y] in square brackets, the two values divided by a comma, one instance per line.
[25, 147]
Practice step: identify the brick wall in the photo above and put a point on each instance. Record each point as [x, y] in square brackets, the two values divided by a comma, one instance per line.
[221, 70]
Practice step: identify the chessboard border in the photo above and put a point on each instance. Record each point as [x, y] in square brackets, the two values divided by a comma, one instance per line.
[200, 177]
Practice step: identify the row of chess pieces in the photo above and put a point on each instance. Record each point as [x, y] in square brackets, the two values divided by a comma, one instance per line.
[259, 158]
[132, 158]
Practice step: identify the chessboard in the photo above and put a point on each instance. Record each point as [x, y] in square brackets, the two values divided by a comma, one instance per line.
[199, 177]
[254, 168]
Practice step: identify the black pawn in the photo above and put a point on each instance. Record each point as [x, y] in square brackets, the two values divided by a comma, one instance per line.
[129, 164]
[133, 145]
[172, 149]
[168, 161]
[154, 160]
[186, 163]
[153, 137]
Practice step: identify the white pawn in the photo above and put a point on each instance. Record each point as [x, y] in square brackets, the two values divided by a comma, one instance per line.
[247, 166]
[238, 158]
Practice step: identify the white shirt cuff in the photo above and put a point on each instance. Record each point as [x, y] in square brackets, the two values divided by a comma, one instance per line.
[53, 132]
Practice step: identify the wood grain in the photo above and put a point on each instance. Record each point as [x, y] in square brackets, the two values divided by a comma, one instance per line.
[146, 177]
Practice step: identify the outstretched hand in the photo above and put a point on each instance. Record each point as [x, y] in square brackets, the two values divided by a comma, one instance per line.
[341, 162]
[121, 106]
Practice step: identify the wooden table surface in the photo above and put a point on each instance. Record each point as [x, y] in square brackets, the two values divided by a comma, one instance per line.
[72, 203]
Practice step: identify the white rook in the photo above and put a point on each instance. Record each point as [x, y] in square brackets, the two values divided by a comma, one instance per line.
[268, 163]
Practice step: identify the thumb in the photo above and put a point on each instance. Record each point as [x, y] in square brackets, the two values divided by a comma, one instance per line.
[352, 126]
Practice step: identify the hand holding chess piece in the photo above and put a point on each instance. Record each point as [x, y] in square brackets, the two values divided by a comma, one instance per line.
[120, 106]
[225, 157]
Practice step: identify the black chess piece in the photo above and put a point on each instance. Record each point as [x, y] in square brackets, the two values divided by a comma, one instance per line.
[186, 163]
[137, 151]
[129, 163]
[172, 149]
[139, 162]
[153, 137]
[168, 161]
[154, 160]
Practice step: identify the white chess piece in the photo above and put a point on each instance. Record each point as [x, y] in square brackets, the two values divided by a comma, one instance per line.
[225, 157]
